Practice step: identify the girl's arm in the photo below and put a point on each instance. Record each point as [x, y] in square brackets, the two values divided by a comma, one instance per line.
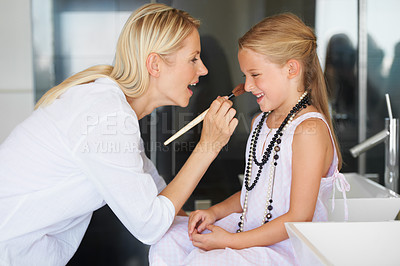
[312, 154]
[228, 206]
[200, 219]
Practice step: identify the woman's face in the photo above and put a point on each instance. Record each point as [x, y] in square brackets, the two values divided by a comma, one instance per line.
[182, 71]
[266, 80]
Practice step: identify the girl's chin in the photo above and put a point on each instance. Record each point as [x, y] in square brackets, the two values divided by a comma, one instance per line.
[265, 109]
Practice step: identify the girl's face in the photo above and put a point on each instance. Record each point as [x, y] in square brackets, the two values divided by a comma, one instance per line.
[182, 70]
[266, 80]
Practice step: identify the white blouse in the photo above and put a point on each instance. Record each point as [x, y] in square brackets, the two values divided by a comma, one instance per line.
[67, 160]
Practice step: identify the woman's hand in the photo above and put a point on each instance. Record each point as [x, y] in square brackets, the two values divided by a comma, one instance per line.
[217, 239]
[218, 125]
[199, 220]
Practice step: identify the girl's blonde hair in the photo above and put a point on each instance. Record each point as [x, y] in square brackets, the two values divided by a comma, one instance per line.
[283, 37]
[153, 28]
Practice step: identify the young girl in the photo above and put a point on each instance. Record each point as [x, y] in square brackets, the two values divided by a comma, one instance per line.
[292, 158]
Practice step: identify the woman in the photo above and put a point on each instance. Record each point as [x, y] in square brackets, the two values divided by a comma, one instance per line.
[81, 148]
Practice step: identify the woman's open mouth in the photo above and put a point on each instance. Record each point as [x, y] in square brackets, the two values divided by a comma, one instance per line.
[191, 85]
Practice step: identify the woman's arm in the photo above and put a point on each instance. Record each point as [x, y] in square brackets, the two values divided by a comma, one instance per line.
[218, 126]
[109, 155]
[312, 154]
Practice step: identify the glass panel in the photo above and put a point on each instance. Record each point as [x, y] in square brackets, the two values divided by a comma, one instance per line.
[337, 50]
[86, 32]
[383, 72]
[43, 48]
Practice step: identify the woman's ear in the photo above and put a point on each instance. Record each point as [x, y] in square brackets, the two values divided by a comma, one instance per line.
[153, 64]
[293, 68]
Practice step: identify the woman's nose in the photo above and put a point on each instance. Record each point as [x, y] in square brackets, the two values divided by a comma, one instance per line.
[202, 71]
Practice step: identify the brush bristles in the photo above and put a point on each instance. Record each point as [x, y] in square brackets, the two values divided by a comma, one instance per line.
[238, 90]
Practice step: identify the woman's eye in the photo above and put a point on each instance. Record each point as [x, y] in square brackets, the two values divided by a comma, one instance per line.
[255, 75]
[194, 60]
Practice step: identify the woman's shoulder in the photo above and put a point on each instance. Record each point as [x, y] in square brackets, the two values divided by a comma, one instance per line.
[104, 97]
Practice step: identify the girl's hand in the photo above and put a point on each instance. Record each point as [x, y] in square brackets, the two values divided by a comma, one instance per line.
[218, 125]
[199, 220]
[217, 239]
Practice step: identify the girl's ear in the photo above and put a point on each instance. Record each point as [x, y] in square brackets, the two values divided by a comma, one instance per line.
[293, 68]
[153, 64]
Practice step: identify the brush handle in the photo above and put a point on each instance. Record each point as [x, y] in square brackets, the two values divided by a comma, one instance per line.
[183, 130]
[191, 124]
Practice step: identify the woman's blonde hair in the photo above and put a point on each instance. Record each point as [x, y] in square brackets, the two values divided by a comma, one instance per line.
[153, 28]
[283, 37]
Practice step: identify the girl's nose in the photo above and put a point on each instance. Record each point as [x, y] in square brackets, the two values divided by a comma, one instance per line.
[248, 86]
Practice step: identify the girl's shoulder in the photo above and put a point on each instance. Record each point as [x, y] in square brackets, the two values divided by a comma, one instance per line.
[313, 141]
[312, 116]
[312, 129]
[311, 122]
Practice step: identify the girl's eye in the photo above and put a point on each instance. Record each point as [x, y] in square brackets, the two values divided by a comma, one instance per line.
[255, 75]
[194, 60]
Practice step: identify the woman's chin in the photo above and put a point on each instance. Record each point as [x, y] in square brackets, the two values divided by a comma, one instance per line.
[185, 104]
[182, 102]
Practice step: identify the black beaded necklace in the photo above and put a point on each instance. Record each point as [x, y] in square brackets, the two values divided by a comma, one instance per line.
[273, 148]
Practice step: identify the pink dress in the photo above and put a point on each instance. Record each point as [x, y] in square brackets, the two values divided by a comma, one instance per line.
[175, 248]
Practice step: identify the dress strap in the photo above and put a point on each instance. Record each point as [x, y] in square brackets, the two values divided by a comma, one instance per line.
[339, 181]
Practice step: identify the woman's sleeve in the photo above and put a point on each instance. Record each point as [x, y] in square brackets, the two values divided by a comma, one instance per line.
[111, 156]
[149, 167]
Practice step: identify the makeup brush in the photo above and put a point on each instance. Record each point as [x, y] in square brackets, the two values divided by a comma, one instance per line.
[238, 90]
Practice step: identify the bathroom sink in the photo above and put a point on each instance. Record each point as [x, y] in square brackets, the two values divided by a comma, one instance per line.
[367, 201]
[350, 243]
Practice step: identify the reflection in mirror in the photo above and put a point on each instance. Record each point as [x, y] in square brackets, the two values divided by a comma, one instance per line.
[337, 50]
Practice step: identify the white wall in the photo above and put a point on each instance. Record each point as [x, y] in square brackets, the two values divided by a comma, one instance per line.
[16, 71]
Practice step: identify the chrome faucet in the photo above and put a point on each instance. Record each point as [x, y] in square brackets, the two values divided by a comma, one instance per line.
[390, 135]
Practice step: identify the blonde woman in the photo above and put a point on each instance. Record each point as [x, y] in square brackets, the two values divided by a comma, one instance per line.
[81, 148]
[292, 158]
